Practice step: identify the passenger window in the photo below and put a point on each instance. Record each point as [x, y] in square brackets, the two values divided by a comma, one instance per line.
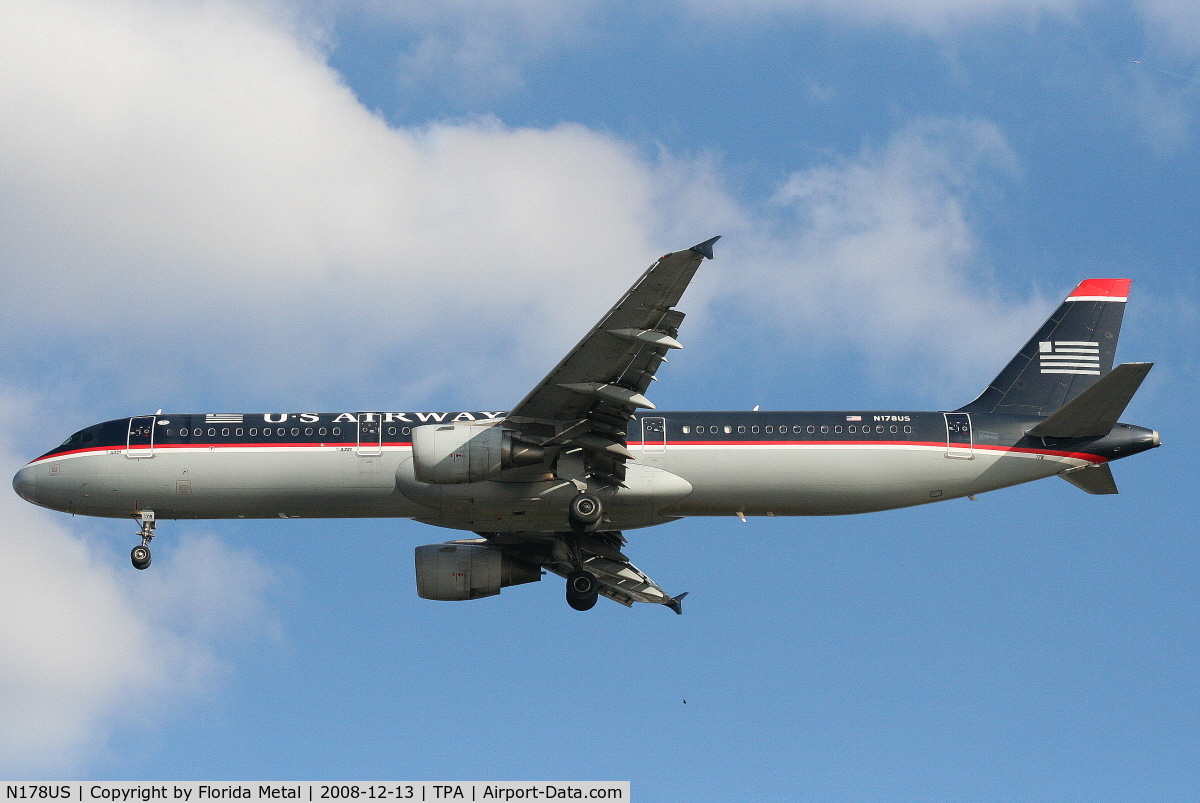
[892, 428]
[699, 430]
[728, 429]
[908, 429]
[295, 431]
[824, 429]
[183, 433]
[337, 430]
[404, 431]
[851, 429]
[280, 431]
[741, 430]
[253, 432]
[212, 431]
[239, 432]
[754, 429]
[225, 432]
[768, 428]
[838, 429]
[686, 429]
[321, 431]
[308, 430]
[811, 429]
[391, 430]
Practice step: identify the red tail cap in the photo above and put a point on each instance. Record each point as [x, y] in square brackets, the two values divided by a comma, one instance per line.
[1101, 290]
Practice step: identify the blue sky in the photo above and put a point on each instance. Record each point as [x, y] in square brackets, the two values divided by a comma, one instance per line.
[227, 206]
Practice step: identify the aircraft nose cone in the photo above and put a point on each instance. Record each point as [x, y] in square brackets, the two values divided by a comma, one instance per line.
[1154, 439]
[25, 484]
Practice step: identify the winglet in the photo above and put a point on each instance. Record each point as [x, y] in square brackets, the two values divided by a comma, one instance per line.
[676, 604]
[704, 249]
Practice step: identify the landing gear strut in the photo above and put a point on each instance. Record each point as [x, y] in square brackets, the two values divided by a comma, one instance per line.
[582, 586]
[140, 554]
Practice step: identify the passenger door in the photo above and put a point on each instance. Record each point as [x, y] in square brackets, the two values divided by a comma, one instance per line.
[139, 442]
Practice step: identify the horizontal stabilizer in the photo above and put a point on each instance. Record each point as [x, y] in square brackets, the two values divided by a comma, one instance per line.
[1096, 479]
[1093, 413]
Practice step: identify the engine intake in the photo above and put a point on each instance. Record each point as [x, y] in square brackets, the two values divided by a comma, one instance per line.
[448, 454]
[468, 571]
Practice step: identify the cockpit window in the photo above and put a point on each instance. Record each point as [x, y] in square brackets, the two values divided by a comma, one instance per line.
[79, 438]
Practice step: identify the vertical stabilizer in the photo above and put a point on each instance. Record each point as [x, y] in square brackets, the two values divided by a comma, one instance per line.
[1069, 354]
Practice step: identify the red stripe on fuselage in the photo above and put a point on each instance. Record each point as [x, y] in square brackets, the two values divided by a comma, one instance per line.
[632, 445]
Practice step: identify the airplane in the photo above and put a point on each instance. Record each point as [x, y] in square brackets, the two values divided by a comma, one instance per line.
[554, 483]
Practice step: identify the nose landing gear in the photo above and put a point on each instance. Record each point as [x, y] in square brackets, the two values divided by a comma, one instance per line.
[139, 556]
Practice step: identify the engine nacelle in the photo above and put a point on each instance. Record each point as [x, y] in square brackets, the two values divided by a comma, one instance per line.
[447, 454]
[468, 571]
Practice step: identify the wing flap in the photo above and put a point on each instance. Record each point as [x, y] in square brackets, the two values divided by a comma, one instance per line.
[599, 553]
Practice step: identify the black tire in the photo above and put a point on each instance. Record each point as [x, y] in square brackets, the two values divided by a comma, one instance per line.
[582, 590]
[139, 556]
[584, 512]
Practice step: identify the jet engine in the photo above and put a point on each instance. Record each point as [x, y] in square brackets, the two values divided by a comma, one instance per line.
[468, 571]
[447, 454]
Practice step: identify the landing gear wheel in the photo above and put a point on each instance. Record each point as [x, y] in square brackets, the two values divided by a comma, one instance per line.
[582, 590]
[584, 512]
[140, 557]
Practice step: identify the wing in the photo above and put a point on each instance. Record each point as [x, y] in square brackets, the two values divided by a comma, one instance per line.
[589, 398]
[599, 553]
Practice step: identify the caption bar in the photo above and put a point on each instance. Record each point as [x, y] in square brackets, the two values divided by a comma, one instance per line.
[198, 792]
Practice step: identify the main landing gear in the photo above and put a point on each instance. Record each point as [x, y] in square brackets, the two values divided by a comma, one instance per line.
[140, 554]
[582, 586]
[584, 512]
[582, 590]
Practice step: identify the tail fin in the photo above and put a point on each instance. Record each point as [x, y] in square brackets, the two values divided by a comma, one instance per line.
[1069, 354]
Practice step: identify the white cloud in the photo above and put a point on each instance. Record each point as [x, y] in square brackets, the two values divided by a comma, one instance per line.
[193, 188]
[933, 16]
[185, 177]
[86, 648]
[472, 50]
[1175, 23]
[882, 256]
[1170, 24]
[1161, 110]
